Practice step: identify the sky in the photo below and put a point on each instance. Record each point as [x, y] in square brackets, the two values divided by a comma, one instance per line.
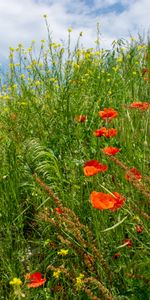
[21, 21]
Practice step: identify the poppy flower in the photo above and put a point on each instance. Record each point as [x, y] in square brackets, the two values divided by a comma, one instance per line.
[108, 113]
[133, 173]
[93, 167]
[100, 132]
[139, 229]
[105, 132]
[59, 210]
[111, 132]
[128, 243]
[145, 71]
[81, 118]
[103, 201]
[140, 105]
[111, 150]
[35, 280]
[116, 255]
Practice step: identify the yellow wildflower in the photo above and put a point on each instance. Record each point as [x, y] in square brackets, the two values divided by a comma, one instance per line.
[69, 29]
[119, 59]
[16, 281]
[56, 274]
[63, 252]
[79, 280]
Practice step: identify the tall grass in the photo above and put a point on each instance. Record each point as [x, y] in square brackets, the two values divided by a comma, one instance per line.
[48, 223]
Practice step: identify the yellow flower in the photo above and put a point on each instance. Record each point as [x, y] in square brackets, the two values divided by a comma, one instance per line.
[79, 280]
[63, 252]
[29, 49]
[69, 29]
[15, 281]
[22, 76]
[56, 274]
[37, 83]
[11, 49]
[136, 218]
[119, 59]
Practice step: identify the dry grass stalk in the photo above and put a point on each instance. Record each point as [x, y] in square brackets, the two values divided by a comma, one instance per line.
[104, 291]
[74, 227]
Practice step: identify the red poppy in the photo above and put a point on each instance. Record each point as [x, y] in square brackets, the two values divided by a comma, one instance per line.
[103, 201]
[139, 228]
[59, 210]
[140, 105]
[145, 71]
[128, 243]
[108, 113]
[93, 167]
[133, 173]
[100, 132]
[111, 150]
[111, 132]
[116, 255]
[81, 118]
[105, 132]
[35, 280]
[119, 201]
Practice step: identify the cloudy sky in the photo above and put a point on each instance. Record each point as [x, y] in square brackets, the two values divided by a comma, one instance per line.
[21, 21]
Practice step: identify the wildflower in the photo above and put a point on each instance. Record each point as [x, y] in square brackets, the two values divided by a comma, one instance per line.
[140, 105]
[35, 279]
[81, 118]
[59, 210]
[111, 150]
[133, 173]
[63, 252]
[146, 78]
[145, 71]
[93, 167]
[56, 274]
[108, 113]
[111, 132]
[120, 59]
[139, 228]
[132, 38]
[116, 255]
[100, 132]
[79, 280]
[16, 281]
[69, 29]
[103, 201]
[127, 243]
[105, 132]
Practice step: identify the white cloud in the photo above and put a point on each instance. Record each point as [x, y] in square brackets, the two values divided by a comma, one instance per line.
[21, 21]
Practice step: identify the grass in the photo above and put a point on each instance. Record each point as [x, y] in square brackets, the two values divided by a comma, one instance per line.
[48, 223]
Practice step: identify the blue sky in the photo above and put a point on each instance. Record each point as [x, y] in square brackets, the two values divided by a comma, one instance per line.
[21, 21]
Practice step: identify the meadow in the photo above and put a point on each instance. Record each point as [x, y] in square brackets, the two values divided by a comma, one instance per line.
[75, 171]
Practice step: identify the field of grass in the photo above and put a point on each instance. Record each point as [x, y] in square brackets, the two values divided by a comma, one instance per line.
[74, 219]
